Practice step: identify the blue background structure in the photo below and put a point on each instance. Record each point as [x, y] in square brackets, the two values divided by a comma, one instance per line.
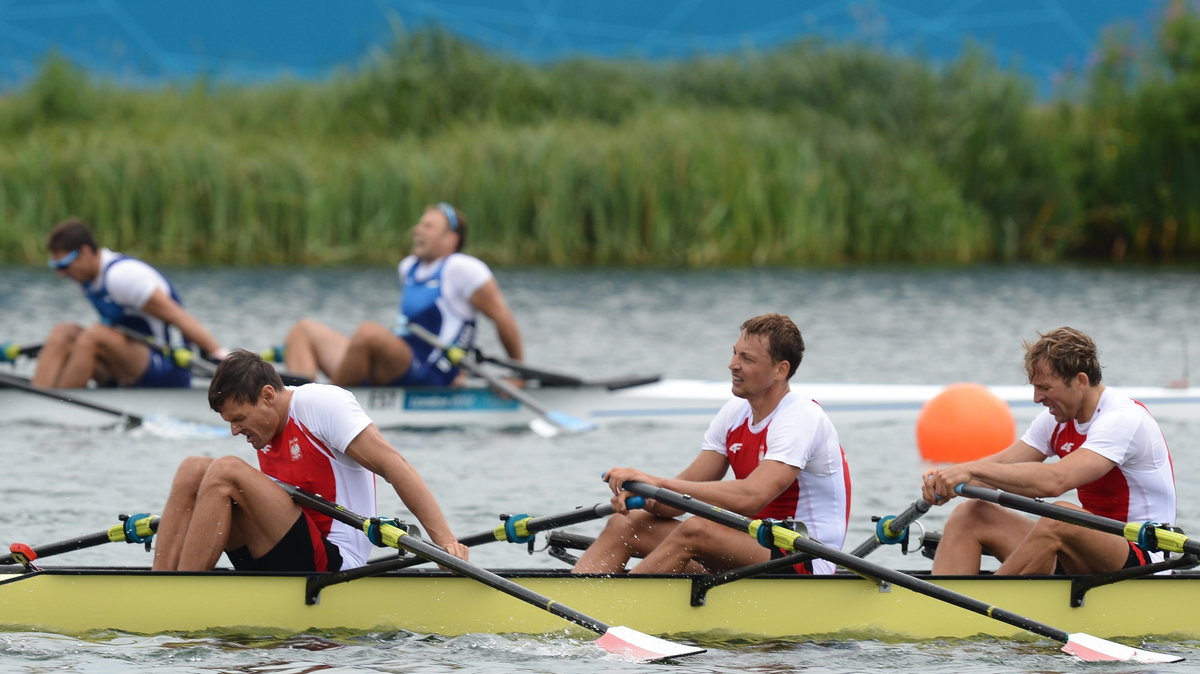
[149, 41]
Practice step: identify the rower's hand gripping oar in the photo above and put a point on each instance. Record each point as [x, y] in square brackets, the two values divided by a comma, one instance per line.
[1149, 536]
[618, 640]
[1083, 646]
[138, 528]
[548, 422]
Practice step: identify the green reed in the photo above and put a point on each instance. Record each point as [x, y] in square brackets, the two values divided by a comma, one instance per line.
[809, 154]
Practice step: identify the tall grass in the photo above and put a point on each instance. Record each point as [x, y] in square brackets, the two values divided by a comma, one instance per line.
[810, 154]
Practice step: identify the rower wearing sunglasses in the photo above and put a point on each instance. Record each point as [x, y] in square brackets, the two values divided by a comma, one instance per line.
[129, 295]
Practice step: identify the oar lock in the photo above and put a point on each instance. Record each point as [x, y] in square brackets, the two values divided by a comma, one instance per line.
[1147, 537]
[886, 535]
[766, 537]
[373, 528]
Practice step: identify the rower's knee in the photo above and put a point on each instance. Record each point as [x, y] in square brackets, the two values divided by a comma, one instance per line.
[63, 334]
[223, 473]
[191, 472]
[971, 516]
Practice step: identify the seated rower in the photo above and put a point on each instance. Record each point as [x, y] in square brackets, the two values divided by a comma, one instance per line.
[315, 437]
[1109, 448]
[129, 294]
[786, 460]
[443, 289]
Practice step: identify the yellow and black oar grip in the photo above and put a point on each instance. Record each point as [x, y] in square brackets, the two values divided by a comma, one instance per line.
[183, 357]
[455, 354]
[515, 529]
[769, 534]
[1150, 537]
[382, 533]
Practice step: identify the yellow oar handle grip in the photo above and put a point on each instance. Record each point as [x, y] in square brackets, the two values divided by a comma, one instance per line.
[781, 536]
[455, 355]
[382, 533]
[1164, 538]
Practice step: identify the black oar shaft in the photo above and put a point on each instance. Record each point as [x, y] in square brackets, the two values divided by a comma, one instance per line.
[113, 534]
[17, 383]
[895, 526]
[786, 538]
[535, 525]
[439, 556]
[1167, 540]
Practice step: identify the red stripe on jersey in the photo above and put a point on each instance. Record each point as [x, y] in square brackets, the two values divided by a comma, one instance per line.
[297, 458]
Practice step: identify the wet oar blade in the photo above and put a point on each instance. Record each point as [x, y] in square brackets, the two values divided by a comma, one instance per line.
[1094, 649]
[630, 643]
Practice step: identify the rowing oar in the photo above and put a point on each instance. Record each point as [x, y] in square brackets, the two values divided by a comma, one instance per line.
[548, 422]
[131, 420]
[1083, 646]
[551, 378]
[186, 358]
[522, 528]
[138, 528]
[1146, 535]
[893, 528]
[618, 640]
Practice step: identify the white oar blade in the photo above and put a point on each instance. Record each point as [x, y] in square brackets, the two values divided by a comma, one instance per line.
[557, 422]
[543, 428]
[632, 644]
[1094, 649]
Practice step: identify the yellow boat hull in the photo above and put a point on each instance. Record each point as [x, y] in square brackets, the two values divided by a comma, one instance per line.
[76, 601]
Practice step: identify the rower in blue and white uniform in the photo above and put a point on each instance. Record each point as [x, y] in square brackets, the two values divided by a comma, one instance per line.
[129, 295]
[444, 290]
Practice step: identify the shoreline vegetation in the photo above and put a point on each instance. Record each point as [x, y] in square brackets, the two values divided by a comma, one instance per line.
[813, 154]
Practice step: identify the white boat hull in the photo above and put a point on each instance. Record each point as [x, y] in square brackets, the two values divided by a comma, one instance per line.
[667, 401]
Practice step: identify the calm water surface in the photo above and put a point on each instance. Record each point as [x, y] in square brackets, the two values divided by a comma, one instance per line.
[898, 326]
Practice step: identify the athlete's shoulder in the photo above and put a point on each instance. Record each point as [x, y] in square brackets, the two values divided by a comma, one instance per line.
[461, 262]
[317, 395]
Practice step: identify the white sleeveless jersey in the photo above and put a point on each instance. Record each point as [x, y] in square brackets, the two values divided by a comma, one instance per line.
[797, 433]
[310, 453]
[1141, 487]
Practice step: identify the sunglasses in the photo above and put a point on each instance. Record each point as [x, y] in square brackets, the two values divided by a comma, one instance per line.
[63, 262]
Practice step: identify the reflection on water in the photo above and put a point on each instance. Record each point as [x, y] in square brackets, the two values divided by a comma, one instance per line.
[899, 326]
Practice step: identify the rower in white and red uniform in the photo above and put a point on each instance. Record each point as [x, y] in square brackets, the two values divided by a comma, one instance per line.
[786, 460]
[315, 437]
[1109, 448]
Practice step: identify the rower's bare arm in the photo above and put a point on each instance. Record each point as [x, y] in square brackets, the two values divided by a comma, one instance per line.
[490, 302]
[161, 306]
[937, 484]
[707, 466]
[746, 496]
[1047, 480]
[371, 450]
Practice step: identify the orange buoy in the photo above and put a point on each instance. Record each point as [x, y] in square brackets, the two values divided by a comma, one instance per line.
[963, 423]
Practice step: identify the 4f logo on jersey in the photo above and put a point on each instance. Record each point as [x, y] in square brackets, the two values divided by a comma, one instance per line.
[735, 448]
[1068, 446]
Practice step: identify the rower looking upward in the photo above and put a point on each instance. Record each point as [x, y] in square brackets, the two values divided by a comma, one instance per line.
[129, 294]
[786, 460]
[442, 290]
[1108, 447]
[315, 437]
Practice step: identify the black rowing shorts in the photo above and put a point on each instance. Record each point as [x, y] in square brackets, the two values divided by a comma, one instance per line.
[296, 551]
